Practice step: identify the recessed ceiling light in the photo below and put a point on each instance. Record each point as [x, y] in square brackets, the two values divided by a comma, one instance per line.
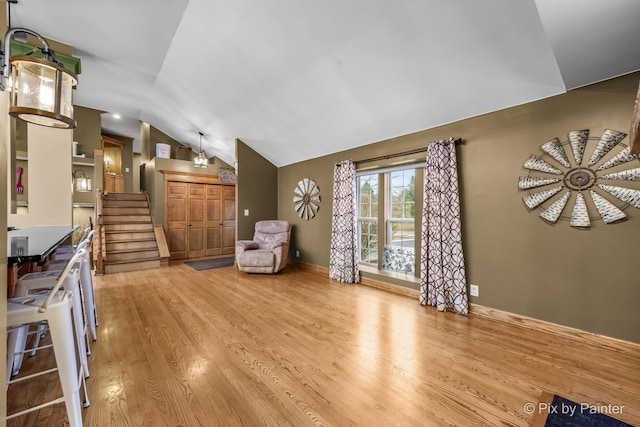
[116, 115]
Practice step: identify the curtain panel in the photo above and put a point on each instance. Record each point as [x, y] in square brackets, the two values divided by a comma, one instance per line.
[443, 277]
[343, 256]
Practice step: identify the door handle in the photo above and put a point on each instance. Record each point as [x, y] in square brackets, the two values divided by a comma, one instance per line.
[188, 225]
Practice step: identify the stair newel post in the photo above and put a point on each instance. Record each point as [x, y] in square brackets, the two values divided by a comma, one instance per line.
[99, 235]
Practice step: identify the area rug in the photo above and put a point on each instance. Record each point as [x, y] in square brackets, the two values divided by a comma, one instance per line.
[565, 413]
[206, 264]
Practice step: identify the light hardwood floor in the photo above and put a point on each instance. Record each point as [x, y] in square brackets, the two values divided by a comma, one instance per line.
[180, 347]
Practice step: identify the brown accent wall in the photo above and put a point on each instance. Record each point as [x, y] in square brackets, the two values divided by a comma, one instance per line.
[580, 278]
[156, 137]
[145, 143]
[88, 132]
[150, 136]
[88, 135]
[256, 190]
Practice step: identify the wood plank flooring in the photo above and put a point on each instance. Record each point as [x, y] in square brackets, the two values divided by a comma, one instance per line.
[180, 347]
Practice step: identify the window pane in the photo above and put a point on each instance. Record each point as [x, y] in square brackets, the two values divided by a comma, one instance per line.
[402, 194]
[368, 241]
[367, 218]
[399, 253]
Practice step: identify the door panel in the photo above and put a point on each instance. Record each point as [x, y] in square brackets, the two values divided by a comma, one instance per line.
[196, 242]
[196, 220]
[214, 221]
[214, 241]
[177, 241]
[176, 219]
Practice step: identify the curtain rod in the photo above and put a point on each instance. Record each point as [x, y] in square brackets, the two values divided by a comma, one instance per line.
[404, 153]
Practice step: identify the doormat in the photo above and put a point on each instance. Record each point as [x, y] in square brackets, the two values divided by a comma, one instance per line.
[206, 264]
[565, 413]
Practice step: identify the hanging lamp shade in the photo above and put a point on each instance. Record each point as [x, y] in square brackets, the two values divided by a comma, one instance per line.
[81, 182]
[42, 92]
[201, 161]
[41, 86]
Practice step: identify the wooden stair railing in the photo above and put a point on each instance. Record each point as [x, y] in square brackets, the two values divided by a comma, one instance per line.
[99, 238]
[163, 247]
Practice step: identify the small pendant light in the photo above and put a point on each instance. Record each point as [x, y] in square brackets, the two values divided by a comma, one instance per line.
[200, 161]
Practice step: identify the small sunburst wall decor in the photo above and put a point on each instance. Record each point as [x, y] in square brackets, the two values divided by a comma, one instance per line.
[606, 183]
[306, 198]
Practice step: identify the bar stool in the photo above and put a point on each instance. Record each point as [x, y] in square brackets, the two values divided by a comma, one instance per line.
[56, 309]
[86, 281]
[47, 280]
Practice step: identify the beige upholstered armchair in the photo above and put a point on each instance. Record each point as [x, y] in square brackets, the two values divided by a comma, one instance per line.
[268, 252]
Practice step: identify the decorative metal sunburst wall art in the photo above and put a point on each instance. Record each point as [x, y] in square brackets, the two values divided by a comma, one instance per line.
[606, 184]
[306, 197]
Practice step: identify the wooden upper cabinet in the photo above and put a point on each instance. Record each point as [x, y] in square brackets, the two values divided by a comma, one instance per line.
[114, 183]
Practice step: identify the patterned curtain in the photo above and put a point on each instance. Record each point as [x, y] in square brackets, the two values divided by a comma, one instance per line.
[442, 277]
[343, 258]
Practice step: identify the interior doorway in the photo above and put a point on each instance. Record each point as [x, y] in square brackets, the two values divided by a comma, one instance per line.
[113, 178]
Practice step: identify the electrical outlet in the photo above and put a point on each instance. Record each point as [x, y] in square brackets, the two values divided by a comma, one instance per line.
[297, 254]
[474, 290]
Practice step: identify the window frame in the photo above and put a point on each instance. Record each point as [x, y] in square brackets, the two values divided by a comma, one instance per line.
[384, 197]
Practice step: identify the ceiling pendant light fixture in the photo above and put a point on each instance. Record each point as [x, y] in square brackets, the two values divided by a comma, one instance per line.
[41, 88]
[201, 161]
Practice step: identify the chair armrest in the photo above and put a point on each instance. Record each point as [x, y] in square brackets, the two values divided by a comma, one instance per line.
[247, 244]
[275, 245]
[281, 251]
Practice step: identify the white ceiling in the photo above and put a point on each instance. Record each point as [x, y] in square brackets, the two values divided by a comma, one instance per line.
[296, 79]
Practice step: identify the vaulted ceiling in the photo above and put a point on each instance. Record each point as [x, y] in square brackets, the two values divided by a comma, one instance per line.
[298, 79]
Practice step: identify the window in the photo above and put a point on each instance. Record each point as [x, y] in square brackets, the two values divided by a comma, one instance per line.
[398, 221]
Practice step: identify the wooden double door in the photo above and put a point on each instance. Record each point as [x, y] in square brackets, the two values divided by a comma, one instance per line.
[200, 219]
